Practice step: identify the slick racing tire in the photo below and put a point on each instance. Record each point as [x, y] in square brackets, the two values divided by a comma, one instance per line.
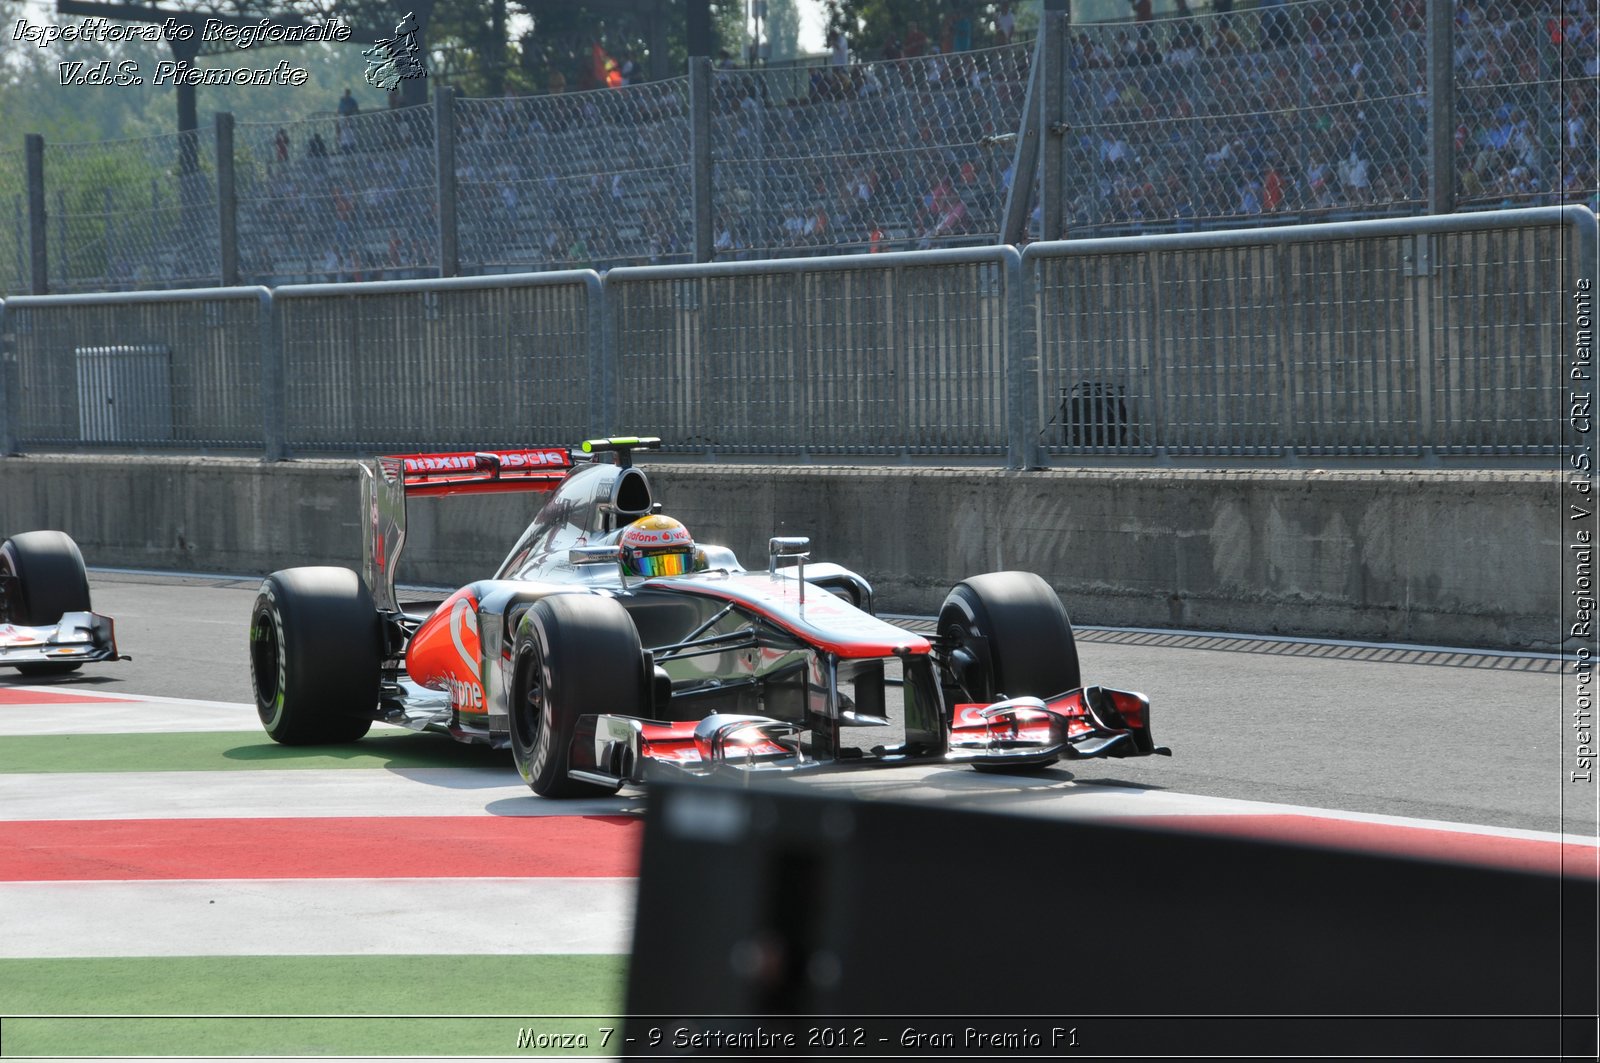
[1010, 637]
[316, 656]
[574, 654]
[49, 581]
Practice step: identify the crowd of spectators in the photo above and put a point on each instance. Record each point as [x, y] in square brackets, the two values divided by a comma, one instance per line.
[1275, 113]
[1321, 109]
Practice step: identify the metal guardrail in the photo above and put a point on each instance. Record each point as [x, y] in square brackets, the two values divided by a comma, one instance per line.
[899, 353]
[173, 370]
[1422, 337]
[462, 362]
[1403, 340]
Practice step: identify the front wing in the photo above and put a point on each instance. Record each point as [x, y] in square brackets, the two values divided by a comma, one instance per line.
[1085, 723]
[76, 638]
[1080, 724]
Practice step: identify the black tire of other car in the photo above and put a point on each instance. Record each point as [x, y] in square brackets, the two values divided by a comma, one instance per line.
[316, 656]
[574, 654]
[1010, 637]
[50, 581]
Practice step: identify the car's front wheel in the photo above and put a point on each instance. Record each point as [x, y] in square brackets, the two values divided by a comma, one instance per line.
[574, 654]
[45, 578]
[316, 656]
[1008, 635]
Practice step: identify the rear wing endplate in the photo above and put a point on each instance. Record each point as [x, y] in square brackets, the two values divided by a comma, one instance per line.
[387, 481]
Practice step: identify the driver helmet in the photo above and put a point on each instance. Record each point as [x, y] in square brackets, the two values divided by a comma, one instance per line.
[657, 546]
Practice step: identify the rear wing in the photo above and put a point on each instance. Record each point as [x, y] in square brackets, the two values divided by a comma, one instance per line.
[387, 482]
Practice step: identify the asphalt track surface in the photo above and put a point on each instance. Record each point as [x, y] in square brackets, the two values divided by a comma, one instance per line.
[164, 860]
[1431, 734]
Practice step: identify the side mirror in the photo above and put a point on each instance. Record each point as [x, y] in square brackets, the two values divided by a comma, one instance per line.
[795, 546]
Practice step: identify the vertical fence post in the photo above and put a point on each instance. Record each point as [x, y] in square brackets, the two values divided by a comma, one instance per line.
[1441, 109]
[444, 146]
[19, 227]
[39, 263]
[1025, 158]
[1021, 362]
[227, 202]
[8, 442]
[700, 155]
[1053, 124]
[63, 249]
[602, 360]
[274, 410]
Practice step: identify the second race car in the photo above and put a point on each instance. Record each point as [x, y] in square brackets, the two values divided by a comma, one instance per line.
[47, 626]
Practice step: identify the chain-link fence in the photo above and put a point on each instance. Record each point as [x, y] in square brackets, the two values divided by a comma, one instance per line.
[14, 253]
[1289, 113]
[1527, 107]
[576, 179]
[1296, 111]
[337, 198]
[132, 213]
[912, 153]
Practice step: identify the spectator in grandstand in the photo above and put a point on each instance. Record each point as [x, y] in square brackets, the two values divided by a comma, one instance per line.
[1005, 24]
[316, 147]
[1187, 46]
[916, 44]
[1276, 30]
[280, 144]
[1141, 10]
[945, 211]
[348, 105]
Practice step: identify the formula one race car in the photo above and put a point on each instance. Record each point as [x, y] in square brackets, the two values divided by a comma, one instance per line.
[609, 648]
[46, 624]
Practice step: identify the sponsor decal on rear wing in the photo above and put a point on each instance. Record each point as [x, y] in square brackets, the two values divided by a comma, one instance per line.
[478, 472]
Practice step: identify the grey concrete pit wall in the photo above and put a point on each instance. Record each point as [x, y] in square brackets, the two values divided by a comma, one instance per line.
[1445, 558]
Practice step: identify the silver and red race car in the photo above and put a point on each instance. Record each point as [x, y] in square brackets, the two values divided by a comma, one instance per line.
[47, 626]
[610, 649]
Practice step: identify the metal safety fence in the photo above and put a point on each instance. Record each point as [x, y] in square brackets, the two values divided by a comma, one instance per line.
[132, 214]
[876, 156]
[1527, 105]
[15, 268]
[574, 179]
[893, 354]
[465, 362]
[1399, 340]
[1288, 112]
[174, 370]
[336, 198]
[1299, 112]
[1431, 337]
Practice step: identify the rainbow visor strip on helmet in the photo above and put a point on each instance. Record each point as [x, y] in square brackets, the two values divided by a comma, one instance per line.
[665, 561]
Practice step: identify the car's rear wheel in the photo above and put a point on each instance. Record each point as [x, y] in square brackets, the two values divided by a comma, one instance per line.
[1008, 636]
[45, 579]
[316, 656]
[574, 654]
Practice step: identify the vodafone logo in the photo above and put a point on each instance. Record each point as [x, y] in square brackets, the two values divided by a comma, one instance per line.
[466, 694]
[509, 459]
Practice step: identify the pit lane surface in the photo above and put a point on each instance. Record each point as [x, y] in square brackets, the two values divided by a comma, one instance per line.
[1440, 735]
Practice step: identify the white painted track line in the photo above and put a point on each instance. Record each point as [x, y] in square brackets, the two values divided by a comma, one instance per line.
[317, 917]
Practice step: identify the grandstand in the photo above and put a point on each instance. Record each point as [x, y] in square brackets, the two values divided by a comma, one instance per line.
[1278, 114]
